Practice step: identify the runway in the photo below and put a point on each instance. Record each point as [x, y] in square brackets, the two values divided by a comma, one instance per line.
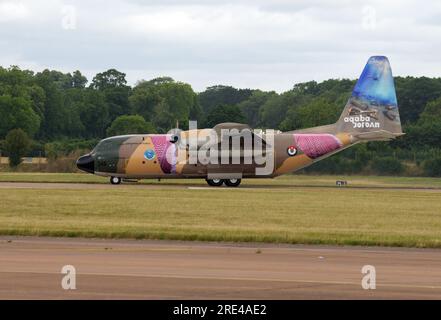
[30, 268]
[189, 185]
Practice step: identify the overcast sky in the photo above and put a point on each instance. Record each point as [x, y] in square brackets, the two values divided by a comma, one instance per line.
[269, 45]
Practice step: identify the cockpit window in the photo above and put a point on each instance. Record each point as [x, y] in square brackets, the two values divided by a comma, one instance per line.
[103, 145]
[110, 144]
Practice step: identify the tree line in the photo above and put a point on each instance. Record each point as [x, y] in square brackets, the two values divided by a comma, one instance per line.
[61, 112]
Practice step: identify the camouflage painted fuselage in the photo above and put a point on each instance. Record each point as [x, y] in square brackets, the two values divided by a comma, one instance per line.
[371, 114]
[148, 156]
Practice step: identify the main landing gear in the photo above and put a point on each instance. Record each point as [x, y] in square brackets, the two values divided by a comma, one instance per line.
[115, 180]
[227, 182]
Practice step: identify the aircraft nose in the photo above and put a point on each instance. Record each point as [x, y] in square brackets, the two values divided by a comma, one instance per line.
[86, 163]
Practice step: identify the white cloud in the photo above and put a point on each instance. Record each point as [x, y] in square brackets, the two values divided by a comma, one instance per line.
[248, 43]
[10, 11]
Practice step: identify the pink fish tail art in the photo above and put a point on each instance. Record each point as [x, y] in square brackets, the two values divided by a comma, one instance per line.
[162, 144]
[317, 145]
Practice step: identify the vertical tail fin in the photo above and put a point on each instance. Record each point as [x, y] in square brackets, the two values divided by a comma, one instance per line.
[372, 110]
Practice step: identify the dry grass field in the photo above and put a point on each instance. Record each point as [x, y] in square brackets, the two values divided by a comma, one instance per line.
[371, 214]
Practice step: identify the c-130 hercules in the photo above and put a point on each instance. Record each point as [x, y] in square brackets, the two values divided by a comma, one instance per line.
[230, 151]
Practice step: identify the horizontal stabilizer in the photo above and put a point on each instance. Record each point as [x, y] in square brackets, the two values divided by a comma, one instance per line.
[381, 135]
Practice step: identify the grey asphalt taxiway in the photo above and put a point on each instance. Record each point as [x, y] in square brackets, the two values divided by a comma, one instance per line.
[191, 186]
[30, 268]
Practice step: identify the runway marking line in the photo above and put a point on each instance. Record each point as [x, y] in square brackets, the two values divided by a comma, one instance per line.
[229, 189]
[105, 249]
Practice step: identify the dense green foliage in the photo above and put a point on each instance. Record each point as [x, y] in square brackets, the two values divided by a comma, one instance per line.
[224, 113]
[432, 167]
[218, 95]
[164, 102]
[387, 166]
[129, 124]
[62, 112]
[17, 145]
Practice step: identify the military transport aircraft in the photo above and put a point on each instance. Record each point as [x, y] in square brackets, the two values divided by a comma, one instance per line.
[230, 151]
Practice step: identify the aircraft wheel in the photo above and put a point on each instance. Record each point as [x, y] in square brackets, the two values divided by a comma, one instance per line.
[215, 182]
[232, 182]
[115, 180]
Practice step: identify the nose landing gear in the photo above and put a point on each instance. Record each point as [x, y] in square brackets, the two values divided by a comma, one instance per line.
[115, 180]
